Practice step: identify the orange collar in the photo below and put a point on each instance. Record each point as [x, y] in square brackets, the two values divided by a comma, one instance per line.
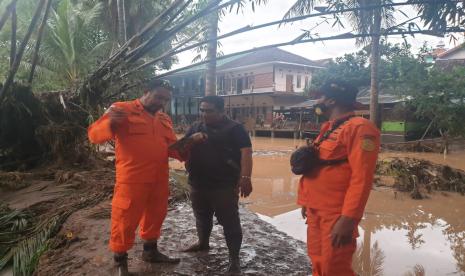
[138, 105]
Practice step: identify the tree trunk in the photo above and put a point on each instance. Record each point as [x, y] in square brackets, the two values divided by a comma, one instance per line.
[6, 13]
[374, 63]
[14, 25]
[22, 47]
[121, 22]
[210, 77]
[35, 58]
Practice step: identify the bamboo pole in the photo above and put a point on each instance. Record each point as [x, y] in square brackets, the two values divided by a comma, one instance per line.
[14, 26]
[138, 36]
[22, 47]
[247, 28]
[294, 42]
[165, 54]
[157, 39]
[121, 21]
[39, 41]
[6, 13]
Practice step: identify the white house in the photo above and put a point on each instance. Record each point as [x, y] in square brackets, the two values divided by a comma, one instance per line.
[254, 84]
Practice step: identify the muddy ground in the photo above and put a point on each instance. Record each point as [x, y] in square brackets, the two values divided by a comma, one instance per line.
[265, 251]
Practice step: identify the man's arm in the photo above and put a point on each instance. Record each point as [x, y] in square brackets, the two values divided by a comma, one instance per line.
[245, 183]
[181, 151]
[100, 131]
[242, 141]
[104, 129]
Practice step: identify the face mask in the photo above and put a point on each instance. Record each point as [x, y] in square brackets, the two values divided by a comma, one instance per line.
[320, 109]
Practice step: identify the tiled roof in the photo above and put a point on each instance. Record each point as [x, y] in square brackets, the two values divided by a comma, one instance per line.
[451, 51]
[260, 56]
[267, 56]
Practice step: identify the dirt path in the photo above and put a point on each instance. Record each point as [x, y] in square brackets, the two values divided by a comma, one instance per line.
[265, 251]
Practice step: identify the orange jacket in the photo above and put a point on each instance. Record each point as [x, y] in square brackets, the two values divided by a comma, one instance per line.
[142, 142]
[343, 188]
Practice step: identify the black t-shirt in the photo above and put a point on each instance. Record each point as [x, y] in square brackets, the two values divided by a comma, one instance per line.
[216, 163]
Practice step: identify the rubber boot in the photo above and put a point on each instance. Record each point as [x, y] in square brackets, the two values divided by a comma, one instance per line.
[152, 255]
[234, 267]
[121, 262]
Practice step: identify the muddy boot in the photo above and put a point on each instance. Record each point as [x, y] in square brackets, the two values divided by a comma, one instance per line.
[152, 255]
[197, 247]
[234, 267]
[121, 262]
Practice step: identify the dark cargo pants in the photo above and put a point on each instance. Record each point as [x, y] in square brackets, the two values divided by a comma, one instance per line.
[223, 203]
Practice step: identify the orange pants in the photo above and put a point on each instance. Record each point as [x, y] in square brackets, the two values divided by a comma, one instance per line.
[137, 204]
[327, 260]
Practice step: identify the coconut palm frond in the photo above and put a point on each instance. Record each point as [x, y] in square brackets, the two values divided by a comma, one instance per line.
[13, 225]
[27, 252]
[300, 7]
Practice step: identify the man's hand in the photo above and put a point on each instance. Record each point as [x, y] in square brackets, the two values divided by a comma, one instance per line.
[198, 137]
[303, 212]
[342, 232]
[117, 116]
[245, 186]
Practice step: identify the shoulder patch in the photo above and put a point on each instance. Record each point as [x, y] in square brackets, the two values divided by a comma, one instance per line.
[368, 143]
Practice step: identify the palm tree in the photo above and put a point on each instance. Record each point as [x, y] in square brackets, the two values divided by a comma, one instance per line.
[210, 75]
[72, 43]
[364, 21]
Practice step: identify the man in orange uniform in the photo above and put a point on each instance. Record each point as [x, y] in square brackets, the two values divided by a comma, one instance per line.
[333, 196]
[142, 133]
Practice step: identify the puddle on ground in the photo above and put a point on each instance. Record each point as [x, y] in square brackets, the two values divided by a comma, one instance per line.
[398, 235]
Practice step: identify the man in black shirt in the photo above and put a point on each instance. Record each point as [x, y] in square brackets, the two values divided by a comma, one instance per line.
[219, 171]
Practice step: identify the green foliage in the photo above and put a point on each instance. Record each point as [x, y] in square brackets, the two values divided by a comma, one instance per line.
[350, 67]
[440, 97]
[72, 44]
[398, 67]
[362, 20]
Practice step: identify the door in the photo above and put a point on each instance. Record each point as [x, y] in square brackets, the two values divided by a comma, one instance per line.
[239, 86]
[289, 83]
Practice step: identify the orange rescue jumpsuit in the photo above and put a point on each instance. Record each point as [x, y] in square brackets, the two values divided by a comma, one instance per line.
[334, 190]
[141, 192]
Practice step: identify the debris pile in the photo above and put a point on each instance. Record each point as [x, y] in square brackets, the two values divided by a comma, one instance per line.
[420, 176]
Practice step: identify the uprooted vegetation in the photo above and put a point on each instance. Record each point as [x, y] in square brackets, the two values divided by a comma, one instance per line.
[40, 202]
[421, 177]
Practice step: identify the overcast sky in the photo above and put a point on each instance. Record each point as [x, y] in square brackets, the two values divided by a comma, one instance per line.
[275, 10]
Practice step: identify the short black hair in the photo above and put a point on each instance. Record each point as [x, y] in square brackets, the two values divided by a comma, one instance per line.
[217, 101]
[154, 84]
[343, 92]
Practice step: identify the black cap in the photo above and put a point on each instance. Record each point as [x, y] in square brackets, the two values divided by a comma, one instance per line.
[156, 83]
[339, 90]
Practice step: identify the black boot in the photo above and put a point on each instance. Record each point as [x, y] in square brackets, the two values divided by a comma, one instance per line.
[234, 267]
[152, 255]
[121, 262]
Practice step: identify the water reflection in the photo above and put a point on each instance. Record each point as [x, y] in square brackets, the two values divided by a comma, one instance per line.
[398, 235]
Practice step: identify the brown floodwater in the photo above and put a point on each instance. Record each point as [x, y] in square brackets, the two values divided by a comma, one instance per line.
[398, 235]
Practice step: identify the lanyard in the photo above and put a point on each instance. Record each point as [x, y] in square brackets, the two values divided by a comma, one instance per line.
[335, 126]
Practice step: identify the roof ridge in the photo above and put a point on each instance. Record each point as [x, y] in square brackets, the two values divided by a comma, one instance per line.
[452, 50]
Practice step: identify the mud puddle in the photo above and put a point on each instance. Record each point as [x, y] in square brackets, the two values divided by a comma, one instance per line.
[265, 251]
[398, 235]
